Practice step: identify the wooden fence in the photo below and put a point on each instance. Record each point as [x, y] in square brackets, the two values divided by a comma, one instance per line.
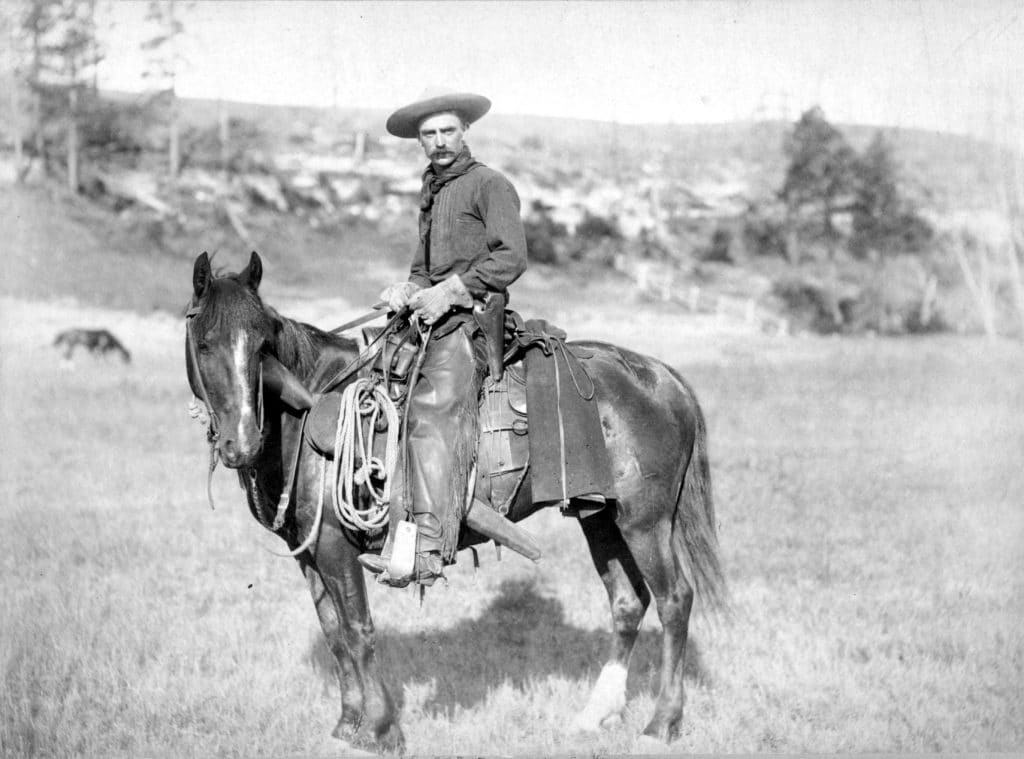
[659, 282]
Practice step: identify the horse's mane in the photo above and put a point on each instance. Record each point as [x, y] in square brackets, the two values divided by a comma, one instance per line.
[309, 351]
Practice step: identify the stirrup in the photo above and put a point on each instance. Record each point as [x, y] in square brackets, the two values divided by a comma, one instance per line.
[373, 562]
[422, 573]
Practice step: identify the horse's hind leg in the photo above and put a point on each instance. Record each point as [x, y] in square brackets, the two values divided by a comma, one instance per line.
[651, 545]
[349, 683]
[629, 598]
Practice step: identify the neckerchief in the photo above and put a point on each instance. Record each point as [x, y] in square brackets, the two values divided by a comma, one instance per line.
[432, 184]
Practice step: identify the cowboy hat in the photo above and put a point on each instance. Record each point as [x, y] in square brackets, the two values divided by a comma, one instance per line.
[405, 122]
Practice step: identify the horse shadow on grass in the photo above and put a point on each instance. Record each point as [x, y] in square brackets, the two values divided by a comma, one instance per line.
[521, 637]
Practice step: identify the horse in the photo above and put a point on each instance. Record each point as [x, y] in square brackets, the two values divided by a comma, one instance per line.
[656, 539]
[98, 342]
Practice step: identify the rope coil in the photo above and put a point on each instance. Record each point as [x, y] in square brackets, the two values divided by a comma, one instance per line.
[363, 399]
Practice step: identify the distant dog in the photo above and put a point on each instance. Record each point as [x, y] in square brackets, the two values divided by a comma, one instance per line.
[96, 341]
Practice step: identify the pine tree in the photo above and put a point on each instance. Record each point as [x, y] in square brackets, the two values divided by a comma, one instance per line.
[820, 177]
[884, 219]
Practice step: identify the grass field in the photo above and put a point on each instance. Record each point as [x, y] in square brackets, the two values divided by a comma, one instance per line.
[871, 502]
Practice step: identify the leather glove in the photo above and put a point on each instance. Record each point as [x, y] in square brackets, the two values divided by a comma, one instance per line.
[397, 295]
[434, 302]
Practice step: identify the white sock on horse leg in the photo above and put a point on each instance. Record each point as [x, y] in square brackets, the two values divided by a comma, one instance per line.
[607, 699]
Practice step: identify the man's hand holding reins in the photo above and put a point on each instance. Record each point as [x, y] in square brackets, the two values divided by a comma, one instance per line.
[397, 295]
[434, 302]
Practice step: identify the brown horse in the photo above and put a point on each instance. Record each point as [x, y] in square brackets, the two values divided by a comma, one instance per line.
[657, 539]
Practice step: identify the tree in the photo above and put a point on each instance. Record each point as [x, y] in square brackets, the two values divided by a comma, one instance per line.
[163, 50]
[36, 25]
[884, 219]
[63, 54]
[820, 178]
[12, 82]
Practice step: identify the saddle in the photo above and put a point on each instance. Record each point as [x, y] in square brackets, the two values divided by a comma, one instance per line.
[538, 415]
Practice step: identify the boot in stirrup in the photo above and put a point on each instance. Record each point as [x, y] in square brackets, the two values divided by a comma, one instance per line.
[401, 563]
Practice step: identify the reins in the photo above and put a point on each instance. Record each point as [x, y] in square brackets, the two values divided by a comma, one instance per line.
[213, 428]
[375, 313]
[366, 355]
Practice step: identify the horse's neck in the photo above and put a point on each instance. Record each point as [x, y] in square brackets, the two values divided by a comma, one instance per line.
[311, 354]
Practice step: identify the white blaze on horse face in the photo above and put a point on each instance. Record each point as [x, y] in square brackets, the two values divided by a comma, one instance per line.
[245, 409]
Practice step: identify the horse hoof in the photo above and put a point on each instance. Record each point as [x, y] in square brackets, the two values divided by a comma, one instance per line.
[346, 729]
[648, 744]
[591, 725]
[390, 741]
[350, 750]
[339, 747]
[612, 721]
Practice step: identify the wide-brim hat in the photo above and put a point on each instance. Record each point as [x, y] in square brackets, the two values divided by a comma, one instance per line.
[405, 122]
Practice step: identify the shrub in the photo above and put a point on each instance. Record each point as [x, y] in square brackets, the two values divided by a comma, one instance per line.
[812, 304]
[543, 235]
[594, 227]
[764, 231]
[892, 301]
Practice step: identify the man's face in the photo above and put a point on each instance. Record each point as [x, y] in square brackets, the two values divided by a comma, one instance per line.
[441, 137]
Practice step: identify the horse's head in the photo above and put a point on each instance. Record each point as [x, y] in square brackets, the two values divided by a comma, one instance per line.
[227, 331]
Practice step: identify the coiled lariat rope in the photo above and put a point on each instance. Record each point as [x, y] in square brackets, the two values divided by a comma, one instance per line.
[361, 400]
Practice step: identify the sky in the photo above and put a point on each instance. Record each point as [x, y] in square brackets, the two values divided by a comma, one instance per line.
[949, 66]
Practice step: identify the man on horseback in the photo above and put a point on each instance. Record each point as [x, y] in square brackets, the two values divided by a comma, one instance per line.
[471, 244]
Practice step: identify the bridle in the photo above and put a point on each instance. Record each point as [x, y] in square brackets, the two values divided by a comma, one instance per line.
[365, 357]
[213, 428]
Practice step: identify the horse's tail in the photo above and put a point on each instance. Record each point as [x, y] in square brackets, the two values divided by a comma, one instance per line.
[694, 534]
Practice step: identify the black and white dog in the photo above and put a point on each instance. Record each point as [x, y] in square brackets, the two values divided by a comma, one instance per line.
[96, 341]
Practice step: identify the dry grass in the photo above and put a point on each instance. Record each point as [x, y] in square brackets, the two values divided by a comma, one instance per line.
[870, 497]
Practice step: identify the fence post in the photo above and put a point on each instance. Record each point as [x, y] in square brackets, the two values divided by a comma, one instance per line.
[642, 275]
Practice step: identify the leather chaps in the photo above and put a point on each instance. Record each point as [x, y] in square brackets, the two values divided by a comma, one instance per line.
[442, 437]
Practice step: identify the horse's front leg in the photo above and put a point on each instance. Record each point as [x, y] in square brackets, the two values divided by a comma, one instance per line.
[343, 579]
[348, 681]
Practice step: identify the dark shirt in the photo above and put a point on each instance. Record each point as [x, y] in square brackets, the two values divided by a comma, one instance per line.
[475, 232]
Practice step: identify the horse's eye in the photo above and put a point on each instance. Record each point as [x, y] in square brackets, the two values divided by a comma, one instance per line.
[202, 346]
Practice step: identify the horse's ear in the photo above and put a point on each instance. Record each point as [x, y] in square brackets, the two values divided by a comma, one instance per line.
[253, 273]
[201, 274]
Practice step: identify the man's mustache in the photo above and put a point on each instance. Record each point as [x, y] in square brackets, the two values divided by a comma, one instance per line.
[441, 154]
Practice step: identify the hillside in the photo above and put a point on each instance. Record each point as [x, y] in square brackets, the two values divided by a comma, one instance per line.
[330, 200]
[958, 169]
